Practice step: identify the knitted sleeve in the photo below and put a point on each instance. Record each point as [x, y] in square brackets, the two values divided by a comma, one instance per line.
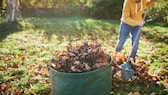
[126, 12]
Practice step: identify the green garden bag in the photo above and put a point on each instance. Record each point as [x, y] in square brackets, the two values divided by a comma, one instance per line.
[96, 82]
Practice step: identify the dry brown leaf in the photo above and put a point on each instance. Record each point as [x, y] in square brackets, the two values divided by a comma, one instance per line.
[17, 56]
[119, 58]
[140, 63]
[135, 93]
[17, 91]
[166, 81]
[87, 67]
[153, 93]
[118, 75]
[80, 58]
[73, 69]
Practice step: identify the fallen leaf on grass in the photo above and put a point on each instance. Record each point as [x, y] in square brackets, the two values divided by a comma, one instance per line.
[153, 93]
[166, 81]
[3, 88]
[119, 58]
[135, 93]
[118, 75]
[140, 69]
[18, 56]
[15, 65]
[17, 91]
[140, 63]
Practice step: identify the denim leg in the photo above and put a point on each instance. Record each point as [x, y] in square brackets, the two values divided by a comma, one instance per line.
[123, 34]
[133, 36]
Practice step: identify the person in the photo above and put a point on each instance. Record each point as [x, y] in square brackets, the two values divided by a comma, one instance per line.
[131, 21]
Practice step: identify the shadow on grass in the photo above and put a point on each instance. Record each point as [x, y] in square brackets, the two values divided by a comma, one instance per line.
[8, 28]
[156, 38]
[156, 33]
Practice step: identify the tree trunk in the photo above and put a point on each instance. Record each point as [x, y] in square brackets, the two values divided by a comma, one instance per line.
[1, 7]
[12, 10]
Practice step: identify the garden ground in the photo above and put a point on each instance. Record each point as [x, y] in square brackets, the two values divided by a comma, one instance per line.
[27, 47]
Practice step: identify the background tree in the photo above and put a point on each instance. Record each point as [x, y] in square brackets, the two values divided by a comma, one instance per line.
[159, 12]
[104, 9]
[12, 10]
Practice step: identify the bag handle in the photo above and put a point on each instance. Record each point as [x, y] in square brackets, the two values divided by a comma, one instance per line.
[111, 62]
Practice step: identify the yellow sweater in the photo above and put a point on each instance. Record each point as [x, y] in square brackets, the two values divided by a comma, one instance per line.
[132, 11]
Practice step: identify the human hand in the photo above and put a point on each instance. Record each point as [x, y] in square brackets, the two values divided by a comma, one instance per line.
[141, 23]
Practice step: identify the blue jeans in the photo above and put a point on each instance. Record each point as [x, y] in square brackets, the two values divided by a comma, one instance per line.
[124, 30]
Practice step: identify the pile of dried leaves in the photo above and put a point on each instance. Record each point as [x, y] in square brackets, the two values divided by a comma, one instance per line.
[140, 70]
[80, 58]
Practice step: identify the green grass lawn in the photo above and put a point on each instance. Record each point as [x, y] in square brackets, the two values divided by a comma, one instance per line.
[27, 47]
